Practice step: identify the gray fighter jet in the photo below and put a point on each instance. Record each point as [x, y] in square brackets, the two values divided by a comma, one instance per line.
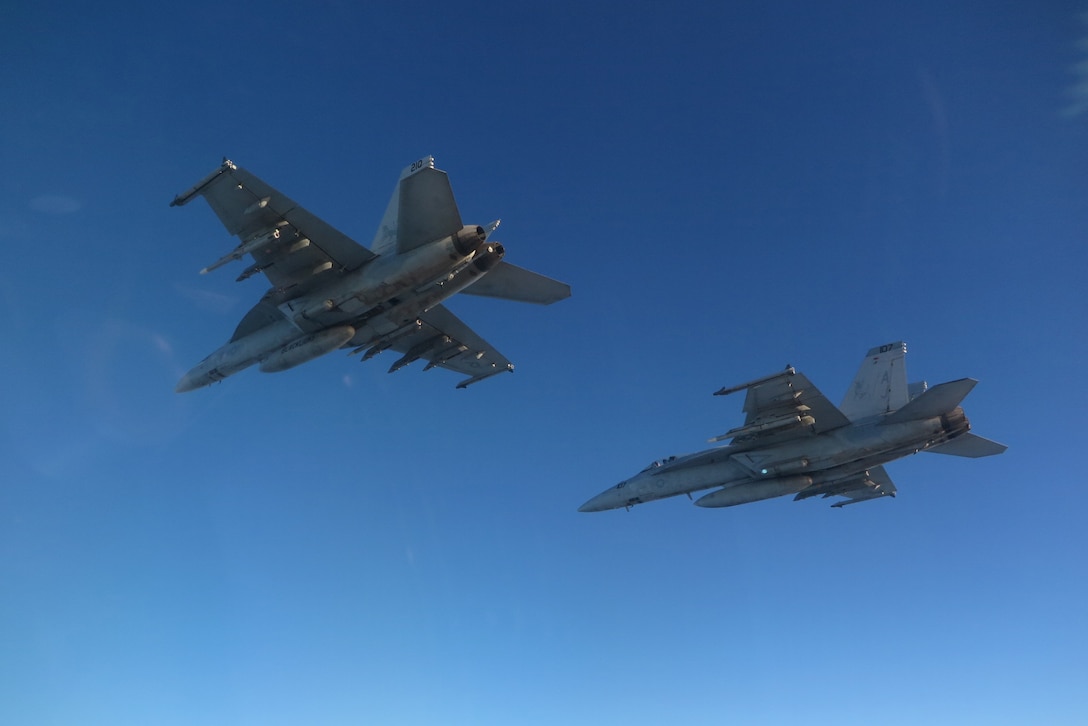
[329, 292]
[794, 441]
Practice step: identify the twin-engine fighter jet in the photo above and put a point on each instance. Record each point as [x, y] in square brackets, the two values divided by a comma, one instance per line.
[794, 441]
[329, 292]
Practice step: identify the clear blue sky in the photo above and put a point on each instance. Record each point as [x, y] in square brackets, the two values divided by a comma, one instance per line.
[728, 187]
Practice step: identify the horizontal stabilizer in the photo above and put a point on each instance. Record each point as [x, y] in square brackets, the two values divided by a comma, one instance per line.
[867, 497]
[934, 402]
[969, 445]
[444, 341]
[511, 282]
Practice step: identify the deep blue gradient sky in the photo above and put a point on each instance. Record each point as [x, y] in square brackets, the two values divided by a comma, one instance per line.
[728, 188]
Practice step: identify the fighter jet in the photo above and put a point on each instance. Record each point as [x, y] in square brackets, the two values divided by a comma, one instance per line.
[329, 292]
[794, 441]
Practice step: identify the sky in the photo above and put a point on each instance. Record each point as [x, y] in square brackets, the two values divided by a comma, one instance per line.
[727, 187]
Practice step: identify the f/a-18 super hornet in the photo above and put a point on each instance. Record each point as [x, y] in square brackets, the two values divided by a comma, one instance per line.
[330, 292]
[794, 441]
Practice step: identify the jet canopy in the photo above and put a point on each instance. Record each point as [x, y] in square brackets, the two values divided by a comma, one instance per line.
[659, 463]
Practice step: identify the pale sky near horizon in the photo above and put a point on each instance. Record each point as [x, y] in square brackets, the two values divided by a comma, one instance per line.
[727, 187]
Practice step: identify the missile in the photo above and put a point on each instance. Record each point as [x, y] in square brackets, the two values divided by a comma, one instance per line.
[780, 400]
[446, 356]
[418, 350]
[251, 271]
[387, 340]
[758, 381]
[244, 249]
[754, 491]
[768, 425]
[307, 348]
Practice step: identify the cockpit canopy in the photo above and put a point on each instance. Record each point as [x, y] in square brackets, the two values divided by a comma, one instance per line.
[659, 463]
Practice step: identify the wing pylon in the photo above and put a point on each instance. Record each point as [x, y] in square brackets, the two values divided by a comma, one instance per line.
[444, 341]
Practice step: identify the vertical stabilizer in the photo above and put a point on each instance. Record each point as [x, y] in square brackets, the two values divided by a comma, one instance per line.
[881, 383]
[421, 210]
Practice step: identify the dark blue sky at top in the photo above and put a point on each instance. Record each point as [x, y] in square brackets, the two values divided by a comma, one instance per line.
[727, 189]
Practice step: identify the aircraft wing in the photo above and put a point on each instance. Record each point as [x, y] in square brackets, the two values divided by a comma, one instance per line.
[782, 407]
[872, 484]
[444, 341]
[291, 246]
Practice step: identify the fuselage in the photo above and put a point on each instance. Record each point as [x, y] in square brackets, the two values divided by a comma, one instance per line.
[365, 306]
[761, 472]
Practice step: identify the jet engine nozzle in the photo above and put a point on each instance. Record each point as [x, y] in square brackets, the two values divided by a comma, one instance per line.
[955, 422]
[488, 256]
[469, 239]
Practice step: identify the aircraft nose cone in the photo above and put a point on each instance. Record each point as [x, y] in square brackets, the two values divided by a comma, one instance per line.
[186, 384]
[601, 502]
